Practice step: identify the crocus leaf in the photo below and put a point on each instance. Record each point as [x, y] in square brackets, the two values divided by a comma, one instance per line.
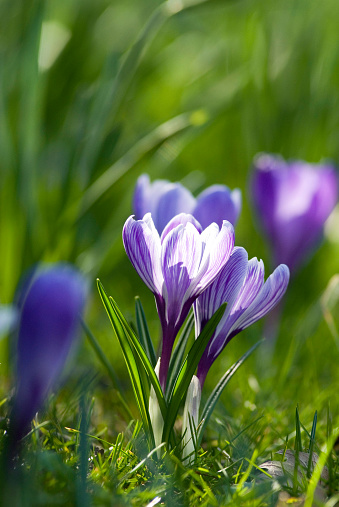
[143, 332]
[187, 370]
[216, 393]
[178, 354]
[131, 363]
[134, 342]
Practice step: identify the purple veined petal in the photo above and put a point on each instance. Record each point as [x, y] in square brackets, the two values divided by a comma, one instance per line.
[181, 255]
[218, 203]
[218, 252]
[180, 219]
[142, 244]
[224, 289]
[267, 298]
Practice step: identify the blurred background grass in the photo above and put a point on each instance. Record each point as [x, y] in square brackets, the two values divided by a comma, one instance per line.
[92, 94]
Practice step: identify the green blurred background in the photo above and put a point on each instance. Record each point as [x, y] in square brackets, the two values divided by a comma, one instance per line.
[92, 94]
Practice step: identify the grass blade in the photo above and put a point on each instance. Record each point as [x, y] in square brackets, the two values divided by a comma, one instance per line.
[312, 441]
[216, 393]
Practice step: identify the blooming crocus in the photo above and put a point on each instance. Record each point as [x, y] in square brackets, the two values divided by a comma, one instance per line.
[241, 285]
[177, 267]
[48, 326]
[164, 200]
[293, 201]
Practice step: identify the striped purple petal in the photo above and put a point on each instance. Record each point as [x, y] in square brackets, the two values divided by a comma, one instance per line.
[143, 247]
[181, 255]
[267, 298]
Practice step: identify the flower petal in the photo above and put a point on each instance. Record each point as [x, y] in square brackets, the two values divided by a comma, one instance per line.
[176, 200]
[180, 260]
[162, 199]
[217, 251]
[217, 203]
[268, 297]
[180, 219]
[143, 247]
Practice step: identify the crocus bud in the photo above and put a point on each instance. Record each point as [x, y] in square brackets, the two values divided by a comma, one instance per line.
[190, 419]
[155, 413]
[293, 201]
[48, 326]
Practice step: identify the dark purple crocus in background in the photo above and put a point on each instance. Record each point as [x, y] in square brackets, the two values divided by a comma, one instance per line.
[164, 200]
[241, 284]
[293, 201]
[48, 326]
[177, 267]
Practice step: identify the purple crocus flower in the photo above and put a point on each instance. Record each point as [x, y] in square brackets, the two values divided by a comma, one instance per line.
[48, 326]
[177, 267]
[164, 200]
[293, 200]
[241, 284]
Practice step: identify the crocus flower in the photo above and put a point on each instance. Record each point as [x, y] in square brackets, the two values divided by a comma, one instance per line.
[177, 267]
[164, 200]
[293, 200]
[48, 326]
[241, 284]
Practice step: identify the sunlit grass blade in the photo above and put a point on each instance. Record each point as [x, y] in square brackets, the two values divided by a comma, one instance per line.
[131, 363]
[144, 336]
[187, 370]
[178, 354]
[312, 441]
[216, 393]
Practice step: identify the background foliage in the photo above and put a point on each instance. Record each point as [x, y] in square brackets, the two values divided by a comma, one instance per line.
[206, 86]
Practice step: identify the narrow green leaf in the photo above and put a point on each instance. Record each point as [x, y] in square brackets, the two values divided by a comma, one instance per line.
[178, 354]
[187, 370]
[134, 342]
[216, 393]
[132, 367]
[298, 443]
[143, 332]
[312, 441]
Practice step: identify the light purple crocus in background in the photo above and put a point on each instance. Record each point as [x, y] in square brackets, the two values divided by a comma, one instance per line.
[293, 201]
[48, 326]
[241, 284]
[164, 200]
[177, 267]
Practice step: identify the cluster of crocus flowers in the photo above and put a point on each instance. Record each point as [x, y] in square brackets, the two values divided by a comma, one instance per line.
[293, 200]
[48, 327]
[164, 200]
[177, 267]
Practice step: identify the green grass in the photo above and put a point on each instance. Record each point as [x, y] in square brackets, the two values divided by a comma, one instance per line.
[190, 95]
